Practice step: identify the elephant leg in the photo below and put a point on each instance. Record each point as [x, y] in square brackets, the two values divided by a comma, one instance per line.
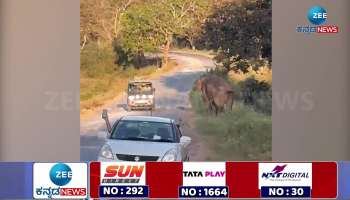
[216, 109]
[230, 101]
[222, 109]
[211, 106]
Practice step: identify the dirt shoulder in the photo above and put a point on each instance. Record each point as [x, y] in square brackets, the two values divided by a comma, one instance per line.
[200, 149]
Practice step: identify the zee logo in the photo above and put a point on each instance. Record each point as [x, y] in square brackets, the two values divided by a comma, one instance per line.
[61, 174]
[317, 15]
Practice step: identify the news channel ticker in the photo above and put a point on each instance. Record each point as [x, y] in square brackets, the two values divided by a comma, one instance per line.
[170, 180]
[318, 16]
[213, 180]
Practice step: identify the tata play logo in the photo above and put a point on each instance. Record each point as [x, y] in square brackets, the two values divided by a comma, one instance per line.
[123, 173]
[60, 180]
[204, 174]
[279, 172]
[317, 16]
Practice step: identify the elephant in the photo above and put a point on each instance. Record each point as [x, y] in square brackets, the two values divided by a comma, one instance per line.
[216, 92]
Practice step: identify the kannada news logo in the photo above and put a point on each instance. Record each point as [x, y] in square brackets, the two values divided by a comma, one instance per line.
[60, 180]
[317, 16]
[127, 173]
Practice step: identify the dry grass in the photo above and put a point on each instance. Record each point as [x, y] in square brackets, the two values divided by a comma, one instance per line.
[264, 73]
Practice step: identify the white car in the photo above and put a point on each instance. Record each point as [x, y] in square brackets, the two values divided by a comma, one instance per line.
[144, 138]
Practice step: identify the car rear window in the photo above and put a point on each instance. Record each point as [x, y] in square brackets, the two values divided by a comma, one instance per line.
[144, 130]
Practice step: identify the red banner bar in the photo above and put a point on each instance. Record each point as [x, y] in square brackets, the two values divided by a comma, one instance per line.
[324, 180]
[242, 178]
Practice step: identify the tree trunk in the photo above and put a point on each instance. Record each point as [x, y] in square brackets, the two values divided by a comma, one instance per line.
[166, 51]
[84, 42]
[190, 40]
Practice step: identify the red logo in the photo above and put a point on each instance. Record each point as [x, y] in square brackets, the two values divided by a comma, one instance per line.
[73, 192]
[327, 29]
[124, 171]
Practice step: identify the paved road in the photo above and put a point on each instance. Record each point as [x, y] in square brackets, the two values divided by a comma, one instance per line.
[172, 100]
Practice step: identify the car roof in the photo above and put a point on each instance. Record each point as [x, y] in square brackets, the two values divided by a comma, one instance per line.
[140, 81]
[148, 119]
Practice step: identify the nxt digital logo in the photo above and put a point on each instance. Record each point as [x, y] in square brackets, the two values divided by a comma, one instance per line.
[279, 172]
[285, 175]
[317, 16]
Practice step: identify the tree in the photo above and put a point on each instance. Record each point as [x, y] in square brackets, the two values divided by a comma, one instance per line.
[153, 24]
[240, 31]
[201, 11]
[100, 20]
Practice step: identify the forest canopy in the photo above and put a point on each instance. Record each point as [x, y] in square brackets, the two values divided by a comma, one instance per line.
[238, 30]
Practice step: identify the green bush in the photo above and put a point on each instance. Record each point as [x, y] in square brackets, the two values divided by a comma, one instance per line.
[123, 56]
[97, 61]
[253, 91]
[241, 134]
[102, 78]
[257, 94]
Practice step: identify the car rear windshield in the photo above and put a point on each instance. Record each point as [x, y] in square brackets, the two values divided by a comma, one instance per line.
[140, 88]
[144, 131]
